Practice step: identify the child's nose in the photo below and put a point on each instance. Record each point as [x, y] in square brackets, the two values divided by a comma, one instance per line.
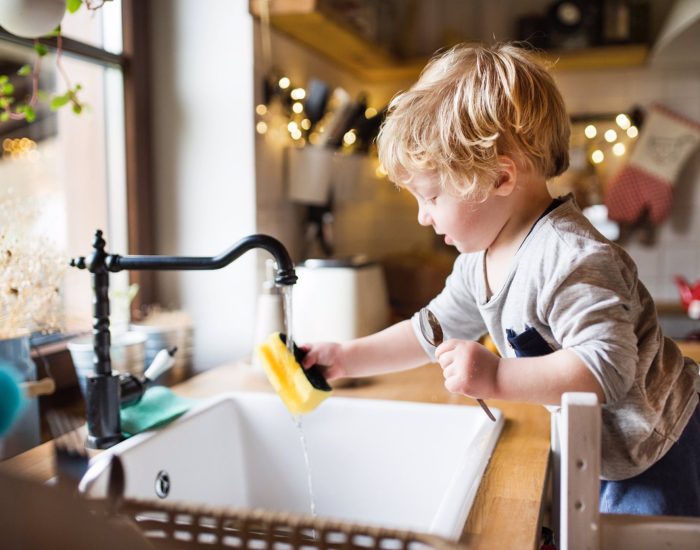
[423, 217]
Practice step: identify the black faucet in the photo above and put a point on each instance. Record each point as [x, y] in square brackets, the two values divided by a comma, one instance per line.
[106, 391]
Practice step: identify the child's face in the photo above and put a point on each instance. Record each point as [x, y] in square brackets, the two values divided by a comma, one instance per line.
[468, 225]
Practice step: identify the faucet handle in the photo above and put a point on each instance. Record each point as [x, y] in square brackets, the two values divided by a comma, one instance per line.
[163, 361]
[78, 262]
[131, 388]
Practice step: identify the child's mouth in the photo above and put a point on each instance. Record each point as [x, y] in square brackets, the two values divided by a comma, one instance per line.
[448, 240]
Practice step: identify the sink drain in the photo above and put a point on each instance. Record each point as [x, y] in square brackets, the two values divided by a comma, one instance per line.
[162, 484]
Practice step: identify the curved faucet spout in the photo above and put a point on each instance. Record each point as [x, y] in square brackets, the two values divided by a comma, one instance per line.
[285, 266]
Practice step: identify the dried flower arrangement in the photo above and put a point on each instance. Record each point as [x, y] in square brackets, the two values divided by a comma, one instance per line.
[31, 272]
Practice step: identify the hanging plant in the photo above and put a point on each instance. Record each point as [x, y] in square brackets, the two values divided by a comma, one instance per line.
[44, 12]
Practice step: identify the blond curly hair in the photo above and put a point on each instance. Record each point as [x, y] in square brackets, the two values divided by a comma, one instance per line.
[471, 104]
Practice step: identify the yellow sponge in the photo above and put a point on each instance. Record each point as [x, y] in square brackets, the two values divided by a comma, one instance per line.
[301, 390]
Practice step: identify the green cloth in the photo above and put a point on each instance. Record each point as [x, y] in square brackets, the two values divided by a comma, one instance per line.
[157, 407]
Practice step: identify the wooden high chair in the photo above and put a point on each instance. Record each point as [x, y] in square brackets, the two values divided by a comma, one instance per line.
[576, 435]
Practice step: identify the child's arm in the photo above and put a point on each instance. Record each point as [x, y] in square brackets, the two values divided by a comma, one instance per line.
[393, 349]
[469, 368]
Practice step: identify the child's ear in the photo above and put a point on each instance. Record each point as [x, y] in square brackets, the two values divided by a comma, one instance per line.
[507, 175]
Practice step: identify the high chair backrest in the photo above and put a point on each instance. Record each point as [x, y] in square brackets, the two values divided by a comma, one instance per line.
[576, 436]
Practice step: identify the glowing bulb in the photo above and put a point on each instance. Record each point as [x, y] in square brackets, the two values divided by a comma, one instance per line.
[313, 138]
[261, 127]
[623, 121]
[292, 126]
[306, 124]
[381, 172]
[296, 134]
[298, 93]
[297, 107]
[618, 149]
[610, 135]
[261, 109]
[590, 131]
[597, 156]
[349, 138]
[370, 112]
[7, 145]
[632, 132]
[284, 83]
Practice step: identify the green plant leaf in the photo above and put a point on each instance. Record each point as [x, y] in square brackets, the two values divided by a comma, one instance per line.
[43, 95]
[73, 5]
[54, 33]
[4, 117]
[25, 70]
[30, 113]
[4, 79]
[40, 49]
[59, 101]
[8, 89]
[77, 108]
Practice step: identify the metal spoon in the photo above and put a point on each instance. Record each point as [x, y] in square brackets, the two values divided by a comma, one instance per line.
[432, 331]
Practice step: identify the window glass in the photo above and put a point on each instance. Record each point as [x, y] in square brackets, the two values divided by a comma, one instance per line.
[99, 27]
[63, 176]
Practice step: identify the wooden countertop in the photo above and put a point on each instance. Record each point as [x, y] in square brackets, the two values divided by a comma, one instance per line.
[690, 348]
[508, 507]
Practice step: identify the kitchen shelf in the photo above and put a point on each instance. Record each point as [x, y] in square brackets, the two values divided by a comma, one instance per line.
[303, 21]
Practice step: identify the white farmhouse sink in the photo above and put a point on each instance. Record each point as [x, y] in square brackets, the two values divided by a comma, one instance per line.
[389, 463]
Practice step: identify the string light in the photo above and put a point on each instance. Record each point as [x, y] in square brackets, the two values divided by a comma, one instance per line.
[610, 135]
[632, 132]
[590, 131]
[623, 121]
[349, 138]
[619, 149]
[597, 156]
[20, 148]
[297, 107]
[284, 83]
[370, 112]
[261, 127]
[305, 124]
[261, 109]
[298, 93]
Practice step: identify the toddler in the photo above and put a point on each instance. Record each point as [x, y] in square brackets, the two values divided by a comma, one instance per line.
[474, 141]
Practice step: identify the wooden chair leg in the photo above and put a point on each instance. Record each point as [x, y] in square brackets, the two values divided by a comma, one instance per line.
[579, 435]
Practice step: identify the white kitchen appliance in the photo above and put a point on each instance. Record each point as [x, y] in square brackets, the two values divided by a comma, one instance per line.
[339, 299]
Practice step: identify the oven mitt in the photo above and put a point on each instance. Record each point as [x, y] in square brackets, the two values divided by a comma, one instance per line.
[646, 182]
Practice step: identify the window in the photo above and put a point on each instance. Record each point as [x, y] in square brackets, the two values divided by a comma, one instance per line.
[74, 170]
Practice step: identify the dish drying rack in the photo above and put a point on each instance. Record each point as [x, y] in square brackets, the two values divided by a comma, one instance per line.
[178, 526]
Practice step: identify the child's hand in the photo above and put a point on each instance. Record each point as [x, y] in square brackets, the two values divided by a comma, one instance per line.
[468, 367]
[329, 356]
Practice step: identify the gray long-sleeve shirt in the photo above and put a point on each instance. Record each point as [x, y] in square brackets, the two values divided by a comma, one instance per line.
[580, 292]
